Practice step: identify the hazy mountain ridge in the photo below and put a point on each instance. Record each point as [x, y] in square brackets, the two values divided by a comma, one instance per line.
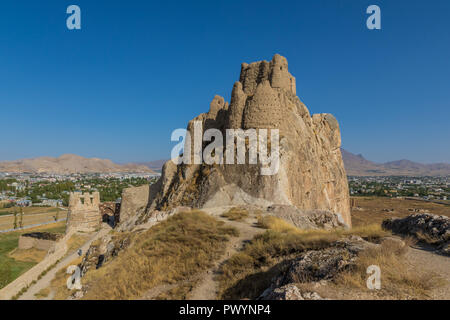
[155, 165]
[357, 165]
[69, 163]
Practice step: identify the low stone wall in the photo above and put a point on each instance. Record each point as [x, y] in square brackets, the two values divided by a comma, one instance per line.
[25, 280]
[37, 240]
[29, 243]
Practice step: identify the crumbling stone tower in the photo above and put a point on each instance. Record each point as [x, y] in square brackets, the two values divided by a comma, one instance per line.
[84, 213]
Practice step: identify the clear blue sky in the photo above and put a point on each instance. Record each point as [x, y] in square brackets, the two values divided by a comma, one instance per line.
[139, 69]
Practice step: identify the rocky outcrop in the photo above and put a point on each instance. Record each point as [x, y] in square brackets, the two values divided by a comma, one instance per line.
[102, 251]
[316, 266]
[289, 292]
[311, 173]
[307, 219]
[134, 202]
[427, 227]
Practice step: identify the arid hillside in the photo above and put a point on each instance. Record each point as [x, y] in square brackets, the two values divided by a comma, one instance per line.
[69, 163]
[357, 165]
[368, 210]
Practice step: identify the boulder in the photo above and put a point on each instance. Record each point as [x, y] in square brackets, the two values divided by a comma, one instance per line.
[428, 227]
[325, 264]
[289, 292]
[315, 267]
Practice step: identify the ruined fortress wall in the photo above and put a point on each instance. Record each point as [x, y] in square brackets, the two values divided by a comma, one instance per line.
[84, 213]
[40, 244]
[111, 209]
[25, 280]
[133, 199]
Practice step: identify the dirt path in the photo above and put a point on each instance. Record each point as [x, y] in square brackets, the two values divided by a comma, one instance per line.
[207, 286]
[207, 289]
[45, 281]
[426, 261]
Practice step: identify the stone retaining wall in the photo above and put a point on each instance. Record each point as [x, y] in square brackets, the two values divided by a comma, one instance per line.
[25, 280]
[26, 242]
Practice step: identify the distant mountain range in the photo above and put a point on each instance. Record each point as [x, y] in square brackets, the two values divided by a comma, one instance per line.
[357, 165]
[153, 165]
[69, 163]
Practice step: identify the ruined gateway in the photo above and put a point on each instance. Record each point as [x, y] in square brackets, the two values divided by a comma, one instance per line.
[311, 175]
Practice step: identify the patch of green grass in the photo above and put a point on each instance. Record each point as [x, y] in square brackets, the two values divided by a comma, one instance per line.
[10, 268]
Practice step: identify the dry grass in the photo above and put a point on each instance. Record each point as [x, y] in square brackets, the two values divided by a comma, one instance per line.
[59, 282]
[371, 210]
[76, 241]
[369, 232]
[398, 279]
[43, 293]
[235, 214]
[276, 224]
[180, 292]
[28, 255]
[426, 238]
[173, 251]
[249, 272]
[31, 210]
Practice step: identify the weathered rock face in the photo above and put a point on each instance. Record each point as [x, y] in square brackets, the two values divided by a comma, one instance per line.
[134, 202]
[317, 265]
[314, 266]
[102, 251]
[424, 226]
[288, 292]
[311, 174]
[306, 219]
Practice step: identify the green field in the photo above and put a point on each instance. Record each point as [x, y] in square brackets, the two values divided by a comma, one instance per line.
[10, 268]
